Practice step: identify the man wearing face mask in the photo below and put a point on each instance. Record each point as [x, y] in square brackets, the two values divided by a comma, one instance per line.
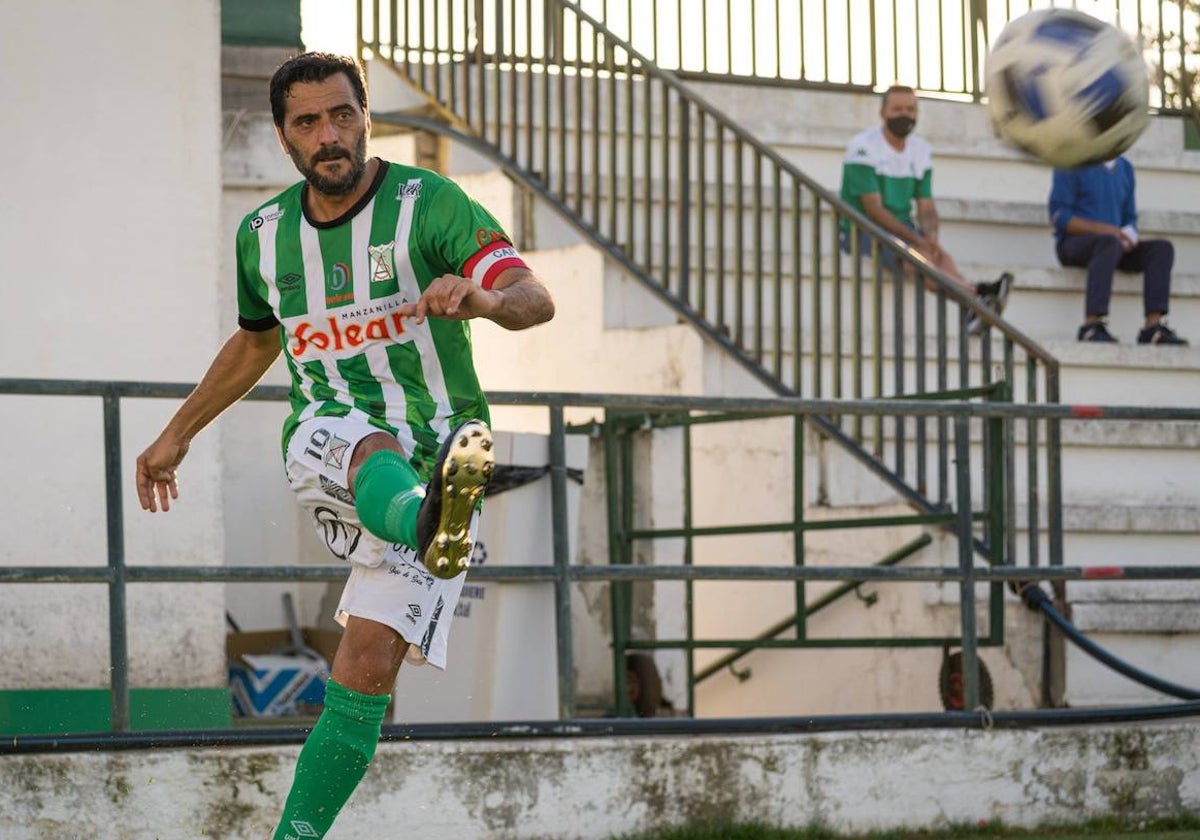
[886, 170]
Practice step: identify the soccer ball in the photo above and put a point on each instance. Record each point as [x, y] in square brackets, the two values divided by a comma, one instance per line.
[1067, 88]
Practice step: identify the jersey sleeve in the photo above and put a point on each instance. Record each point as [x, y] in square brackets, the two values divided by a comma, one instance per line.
[254, 313]
[465, 239]
[858, 170]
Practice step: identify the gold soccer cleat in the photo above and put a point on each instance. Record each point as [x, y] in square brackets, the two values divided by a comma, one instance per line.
[460, 475]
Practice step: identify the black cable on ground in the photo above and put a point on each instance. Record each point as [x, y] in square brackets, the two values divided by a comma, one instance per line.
[1036, 599]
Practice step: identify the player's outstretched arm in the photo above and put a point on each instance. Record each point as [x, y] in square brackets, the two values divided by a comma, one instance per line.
[239, 364]
[516, 300]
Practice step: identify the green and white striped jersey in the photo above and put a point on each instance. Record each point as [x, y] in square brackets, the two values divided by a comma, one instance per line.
[337, 287]
[899, 176]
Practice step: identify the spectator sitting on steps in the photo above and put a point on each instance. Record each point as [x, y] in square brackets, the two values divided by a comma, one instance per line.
[887, 168]
[1094, 213]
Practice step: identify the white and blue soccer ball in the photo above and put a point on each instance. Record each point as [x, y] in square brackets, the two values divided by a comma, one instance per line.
[1067, 88]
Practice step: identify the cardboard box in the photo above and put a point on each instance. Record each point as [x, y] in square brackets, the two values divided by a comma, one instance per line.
[269, 678]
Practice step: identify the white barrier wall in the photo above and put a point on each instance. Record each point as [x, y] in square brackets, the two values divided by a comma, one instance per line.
[111, 178]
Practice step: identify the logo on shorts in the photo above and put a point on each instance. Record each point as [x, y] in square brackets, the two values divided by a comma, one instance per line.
[335, 452]
[337, 491]
[341, 537]
[414, 610]
[304, 829]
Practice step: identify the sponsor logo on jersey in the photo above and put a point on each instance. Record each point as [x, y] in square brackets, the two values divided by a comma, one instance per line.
[411, 189]
[262, 218]
[383, 263]
[309, 339]
[339, 280]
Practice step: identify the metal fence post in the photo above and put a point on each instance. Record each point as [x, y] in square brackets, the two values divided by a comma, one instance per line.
[118, 646]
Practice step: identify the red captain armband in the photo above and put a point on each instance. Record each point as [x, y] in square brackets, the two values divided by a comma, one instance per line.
[483, 268]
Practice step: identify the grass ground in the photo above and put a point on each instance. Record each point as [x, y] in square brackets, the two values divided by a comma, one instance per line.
[1183, 828]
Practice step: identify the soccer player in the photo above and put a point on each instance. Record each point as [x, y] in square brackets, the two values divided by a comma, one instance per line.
[1093, 210]
[888, 169]
[365, 274]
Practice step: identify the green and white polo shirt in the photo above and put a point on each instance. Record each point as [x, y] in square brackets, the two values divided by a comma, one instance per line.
[337, 287]
[899, 176]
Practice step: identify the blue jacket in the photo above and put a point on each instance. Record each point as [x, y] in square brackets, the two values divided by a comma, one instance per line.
[1093, 192]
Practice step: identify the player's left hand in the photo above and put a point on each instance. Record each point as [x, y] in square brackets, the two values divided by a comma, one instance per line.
[455, 298]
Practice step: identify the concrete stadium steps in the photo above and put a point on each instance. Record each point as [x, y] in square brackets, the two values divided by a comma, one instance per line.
[1048, 303]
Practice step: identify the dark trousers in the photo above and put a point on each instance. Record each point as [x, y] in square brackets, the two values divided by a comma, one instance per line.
[1102, 256]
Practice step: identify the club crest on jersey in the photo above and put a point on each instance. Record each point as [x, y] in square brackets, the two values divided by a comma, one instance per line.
[383, 262]
[410, 189]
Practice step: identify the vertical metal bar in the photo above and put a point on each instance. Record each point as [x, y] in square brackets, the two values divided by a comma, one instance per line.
[530, 119]
[578, 121]
[996, 509]
[421, 47]
[1054, 473]
[616, 460]
[667, 212]
[739, 245]
[777, 268]
[798, 501]
[647, 170]
[118, 641]
[753, 38]
[818, 380]
[514, 88]
[856, 304]
[702, 212]
[451, 72]
[1032, 494]
[545, 123]
[685, 212]
[596, 87]
[480, 66]
[759, 267]
[689, 560]
[966, 559]
[835, 326]
[719, 150]
[613, 135]
[562, 562]
[898, 362]
[630, 168]
[778, 44]
[920, 299]
[564, 169]
[800, 40]
[943, 380]
[437, 65]
[1010, 461]
[797, 288]
[877, 338]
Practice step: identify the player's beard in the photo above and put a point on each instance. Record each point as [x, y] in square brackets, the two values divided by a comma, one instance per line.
[325, 184]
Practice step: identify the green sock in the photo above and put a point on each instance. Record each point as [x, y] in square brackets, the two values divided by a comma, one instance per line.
[387, 496]
[332, 762]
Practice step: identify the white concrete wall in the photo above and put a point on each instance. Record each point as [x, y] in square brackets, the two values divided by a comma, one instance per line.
[112, 182]
[598, 788]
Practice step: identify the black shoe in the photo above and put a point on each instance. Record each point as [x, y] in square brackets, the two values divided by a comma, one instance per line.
[1096, 331]
[1159, 333]
[995, 294]
[460, 475]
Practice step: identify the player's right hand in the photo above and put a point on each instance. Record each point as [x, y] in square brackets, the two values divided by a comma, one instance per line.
[156, 473]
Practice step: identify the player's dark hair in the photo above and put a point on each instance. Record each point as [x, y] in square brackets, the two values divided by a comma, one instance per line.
[314, 67]
[894, 89]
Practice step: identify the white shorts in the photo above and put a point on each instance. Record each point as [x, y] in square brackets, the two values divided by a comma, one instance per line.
[387, 582]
